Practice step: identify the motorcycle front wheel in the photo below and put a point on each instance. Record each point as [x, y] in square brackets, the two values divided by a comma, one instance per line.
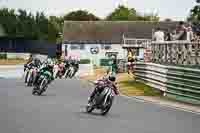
[34, 91]
[30, 79]
[43, 85]
[89, 107]
[26, 76]
[107, 108]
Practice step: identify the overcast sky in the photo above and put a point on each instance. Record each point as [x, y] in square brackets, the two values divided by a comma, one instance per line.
[175, 9]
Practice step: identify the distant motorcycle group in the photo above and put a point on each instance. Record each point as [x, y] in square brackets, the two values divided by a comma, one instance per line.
[40, 75]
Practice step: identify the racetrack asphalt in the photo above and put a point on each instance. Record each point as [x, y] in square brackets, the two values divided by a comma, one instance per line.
[62, 110]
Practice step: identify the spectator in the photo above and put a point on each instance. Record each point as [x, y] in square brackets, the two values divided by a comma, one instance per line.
[114, 67]
[159, 35]
[190, 34]
[131, 60]
[168, 35]
[181, 32]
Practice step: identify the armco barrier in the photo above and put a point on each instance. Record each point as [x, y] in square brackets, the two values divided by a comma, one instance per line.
[180, 83]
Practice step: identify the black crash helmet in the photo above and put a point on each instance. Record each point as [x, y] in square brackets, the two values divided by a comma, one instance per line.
[112, 78]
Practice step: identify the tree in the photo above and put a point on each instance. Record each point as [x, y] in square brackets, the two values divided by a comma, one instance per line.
[195, 13]
[8, 21]
[55, 26]
[150, 17]
[122, 13]
[23, 27]
[24, 24]
[81, 15]
[42, 26]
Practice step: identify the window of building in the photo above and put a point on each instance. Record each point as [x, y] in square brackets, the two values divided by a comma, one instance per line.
[82, 46]
[106, 46]
[138, 52]
[77, 46]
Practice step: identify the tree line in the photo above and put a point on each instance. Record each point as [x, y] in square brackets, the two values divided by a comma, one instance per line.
[195, 13]
[21, 23]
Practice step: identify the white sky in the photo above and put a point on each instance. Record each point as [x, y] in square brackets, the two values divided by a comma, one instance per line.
[175, 9]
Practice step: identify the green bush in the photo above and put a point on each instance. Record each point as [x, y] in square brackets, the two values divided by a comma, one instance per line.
[85, 61]
[105, 62]
[3, 56]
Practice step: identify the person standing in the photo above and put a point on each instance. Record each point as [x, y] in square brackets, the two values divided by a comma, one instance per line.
[181, 32]
[131, 59]
[114, 67]
[159, 35]
[190, 34]
[168, 35]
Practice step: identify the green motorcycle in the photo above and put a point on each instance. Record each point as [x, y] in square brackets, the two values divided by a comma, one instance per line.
[42, 83]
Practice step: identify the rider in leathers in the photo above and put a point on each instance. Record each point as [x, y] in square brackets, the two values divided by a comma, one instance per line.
[110, 80]
[49, 68]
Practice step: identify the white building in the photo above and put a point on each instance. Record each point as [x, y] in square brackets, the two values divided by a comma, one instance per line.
[93, 51]
[93, 39]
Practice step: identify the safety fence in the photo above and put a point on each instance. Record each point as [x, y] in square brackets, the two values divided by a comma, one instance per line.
[180, 83]
[176, 52]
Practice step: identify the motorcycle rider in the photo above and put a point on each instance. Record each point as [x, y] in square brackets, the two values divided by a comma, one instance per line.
[30, 60]
[32, 63]
[75, 64]
[106, 80]
[67, 61]
[48, 67]
[37, 62]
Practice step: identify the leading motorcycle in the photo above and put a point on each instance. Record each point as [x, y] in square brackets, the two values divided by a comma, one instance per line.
[102, 100]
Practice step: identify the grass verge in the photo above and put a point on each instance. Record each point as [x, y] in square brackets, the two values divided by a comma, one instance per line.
[127, 85]
[12, 61]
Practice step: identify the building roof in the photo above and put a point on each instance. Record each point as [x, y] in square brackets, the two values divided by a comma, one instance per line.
[110, 31]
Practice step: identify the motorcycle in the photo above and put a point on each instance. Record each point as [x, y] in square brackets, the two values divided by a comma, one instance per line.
[69, 72]
[58, 70]
[31, 76]
[76, 68]
[42, 83]
[102, 100]
[26, 73]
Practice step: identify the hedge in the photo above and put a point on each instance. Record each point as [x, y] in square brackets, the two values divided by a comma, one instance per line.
[85, 61]
[3, 55]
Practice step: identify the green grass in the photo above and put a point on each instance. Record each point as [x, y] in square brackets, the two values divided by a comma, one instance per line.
[132, 87]
[11, 61]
